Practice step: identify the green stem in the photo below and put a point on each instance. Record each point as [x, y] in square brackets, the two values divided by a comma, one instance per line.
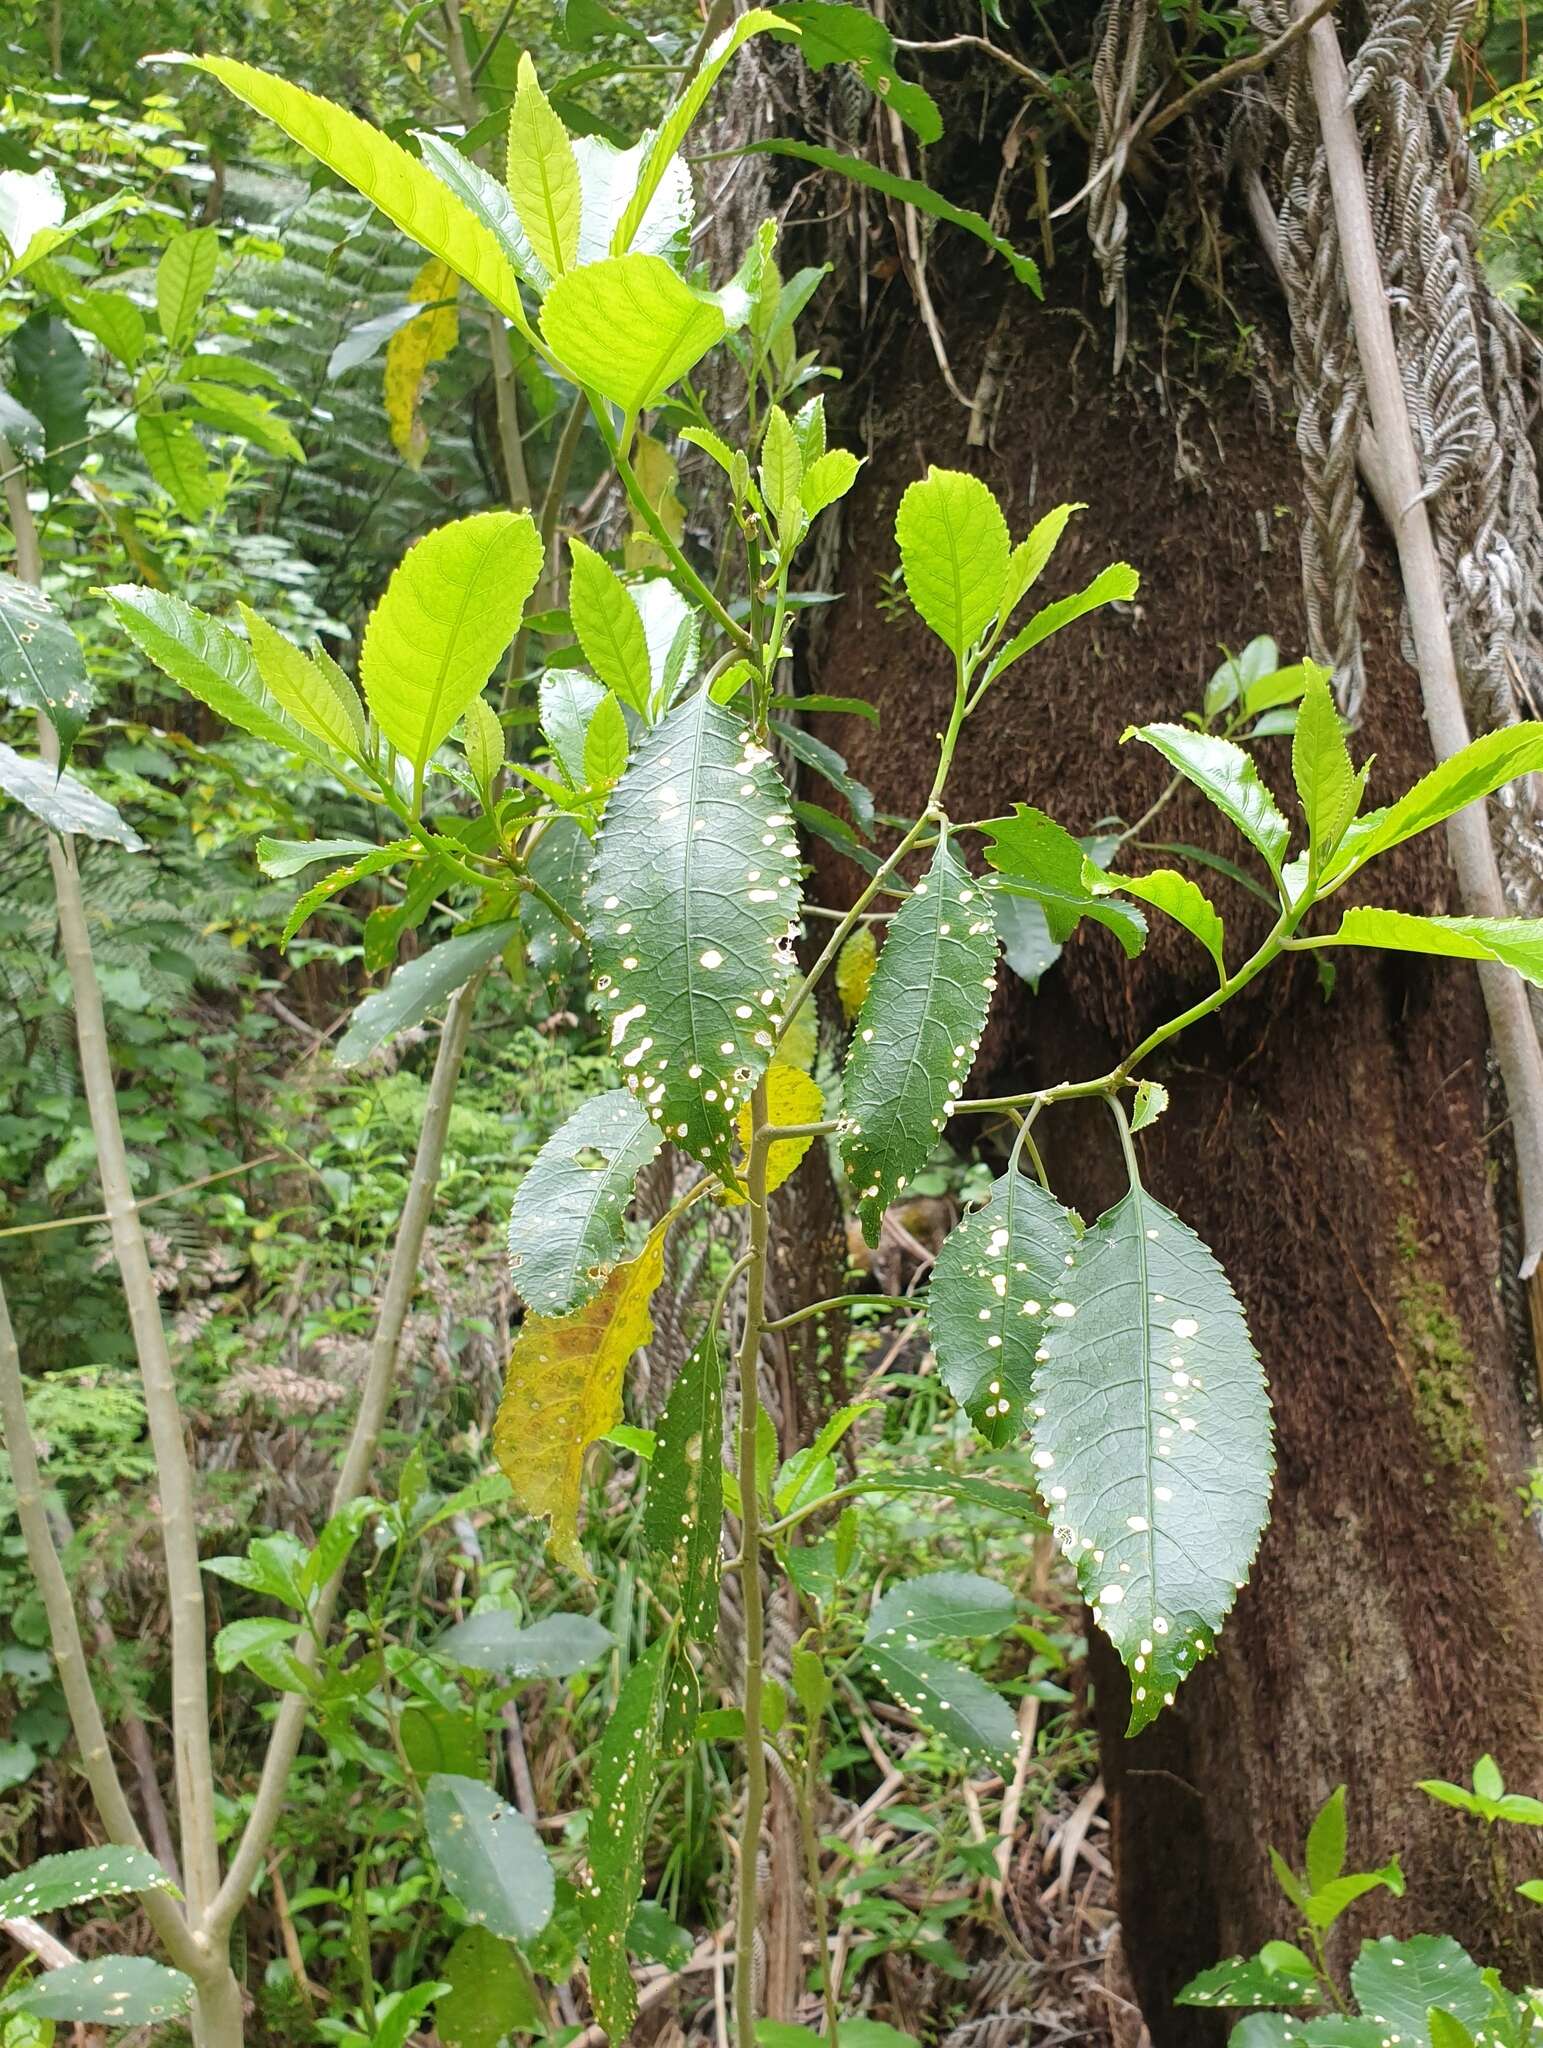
[805, 1786]
[838, 937]
[543, 896]
[834, 1301]
[656, 527]
[750, 1578]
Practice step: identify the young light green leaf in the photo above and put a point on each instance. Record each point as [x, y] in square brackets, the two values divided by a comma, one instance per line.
[1028, 559]
[176, 459]
[910, 192]
[112, 1991]
[672, 130]
[943, 1607]
[1326, 1841]
[568, 699]
[622, 1784]
[917, 1032]
[945, 1697]
[689, 913]
[1250, 1981]
[628, 328]
[609, 627]
[1328, 1901]
[1516, 942]
[418, 987]
[452, 606]
[54, 1882]
[1445, 2031]
[1177, 897]
[782, 474]
[1151, 1100]
[62, 801]
[1280, 686]
[405, 190]
[490, 1857]
[1153, 1441]
[244, 413]
[566, 1228]
[555, 1647]
[1478, 770]
[182, 280]
[205, 658]
[683, 1515]
[828, 477]
[320, 699]
[1400, 1981]
[1328, 787]
[543, 175]
[1114, 585]
[1038, 858]
[605, 744]
[1227, 776]
[953, 552]
[41, 665]
[374, 860]
[673, 630]
[484, 742]
[989, 1300]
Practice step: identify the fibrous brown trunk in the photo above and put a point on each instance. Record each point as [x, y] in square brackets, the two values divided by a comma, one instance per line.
[1340, 1156]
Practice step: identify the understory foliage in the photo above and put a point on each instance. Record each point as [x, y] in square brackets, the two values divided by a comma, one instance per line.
[567, 769]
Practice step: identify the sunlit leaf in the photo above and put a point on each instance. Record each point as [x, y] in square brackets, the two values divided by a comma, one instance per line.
[1516, 942]
[609, 627]
[1478, 770]
[176, 458]
[182, 280]
[316, 696]
[953, 552]
[792, 1097]
[628, 328]
[543, 175]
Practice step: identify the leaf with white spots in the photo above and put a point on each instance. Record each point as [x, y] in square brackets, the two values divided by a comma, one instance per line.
[993, 1285]
[917, 1032]
[1397, 1982]
[490, 1857]
[1153, 1441]
[943, 1606]
[41, 665]
[563, 1392]
[623, 1781]
[683, 1516]
[694, 889]
[112, 1991]
[1248, 1980]
[565, 1230]
[945, 1697]
[80, 1874]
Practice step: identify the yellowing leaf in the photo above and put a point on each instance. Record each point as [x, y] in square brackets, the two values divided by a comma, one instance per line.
[801, 1040]
[563, 1393]
[792, 1097]
[426, 339]
[854, 969]
[654, 467]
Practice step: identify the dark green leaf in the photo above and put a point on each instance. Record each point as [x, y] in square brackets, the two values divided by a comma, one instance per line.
[566, 1228]
[112, 1991]
[419, 987]
[560, 862]
[831, 33]
[1038, 858]
[554, 1647]
[489, 1856]
[945, 1697]
[53, 381]
[1024, 930]
[917, 1032]
[683, 1516]
[622, 1783]
[490, 1994]
[55, 1882]
[1397, 1982]
[826, 762]
[41, 665]
[942, 1607]
[1249, 1981]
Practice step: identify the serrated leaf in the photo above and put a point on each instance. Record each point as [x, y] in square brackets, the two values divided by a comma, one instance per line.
[487, 200]
[623, 1781]
[609, 627]
[244, 413]
[41, 665]
[543, 175]
[1445, 2031]
[566, 1228]
[1115, 585]
[54, 1882]
[490, 1995]
[320, 699]
[1028, 559]
[917, 1033]
[1177, 897]
[555, 1647]
[1024, 930]
[946, 1697]
[683, 1514]
[560, 861]
[1247, 1980]
[673, 630]
[568, 697]
[1478, 770]
[840, 34]
[994, 1280]
[792, 1097]
[826, 762]
[411, 351]
[405, 191]
[1397, 1982]
[483, 739]
[953, 553]
[628, 328]
[782, 472]
[375, 860]
[855, 963]
[112, 1991]
[452, 606]
[609, 178]
[182, 280]
[828, 477]
[176, 458]
[1151, 1100]
[419, 986]
[1227, 776]
[1154, 1441]
[1326, 1841]
[693, 890]
[62, 801]
[1328, 788]
[490, 1857]
[1038, 858]
[562, 1393]
[605, 744]
[942, 1607]
[1517, 942]
[667, 138]
[281, 858]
